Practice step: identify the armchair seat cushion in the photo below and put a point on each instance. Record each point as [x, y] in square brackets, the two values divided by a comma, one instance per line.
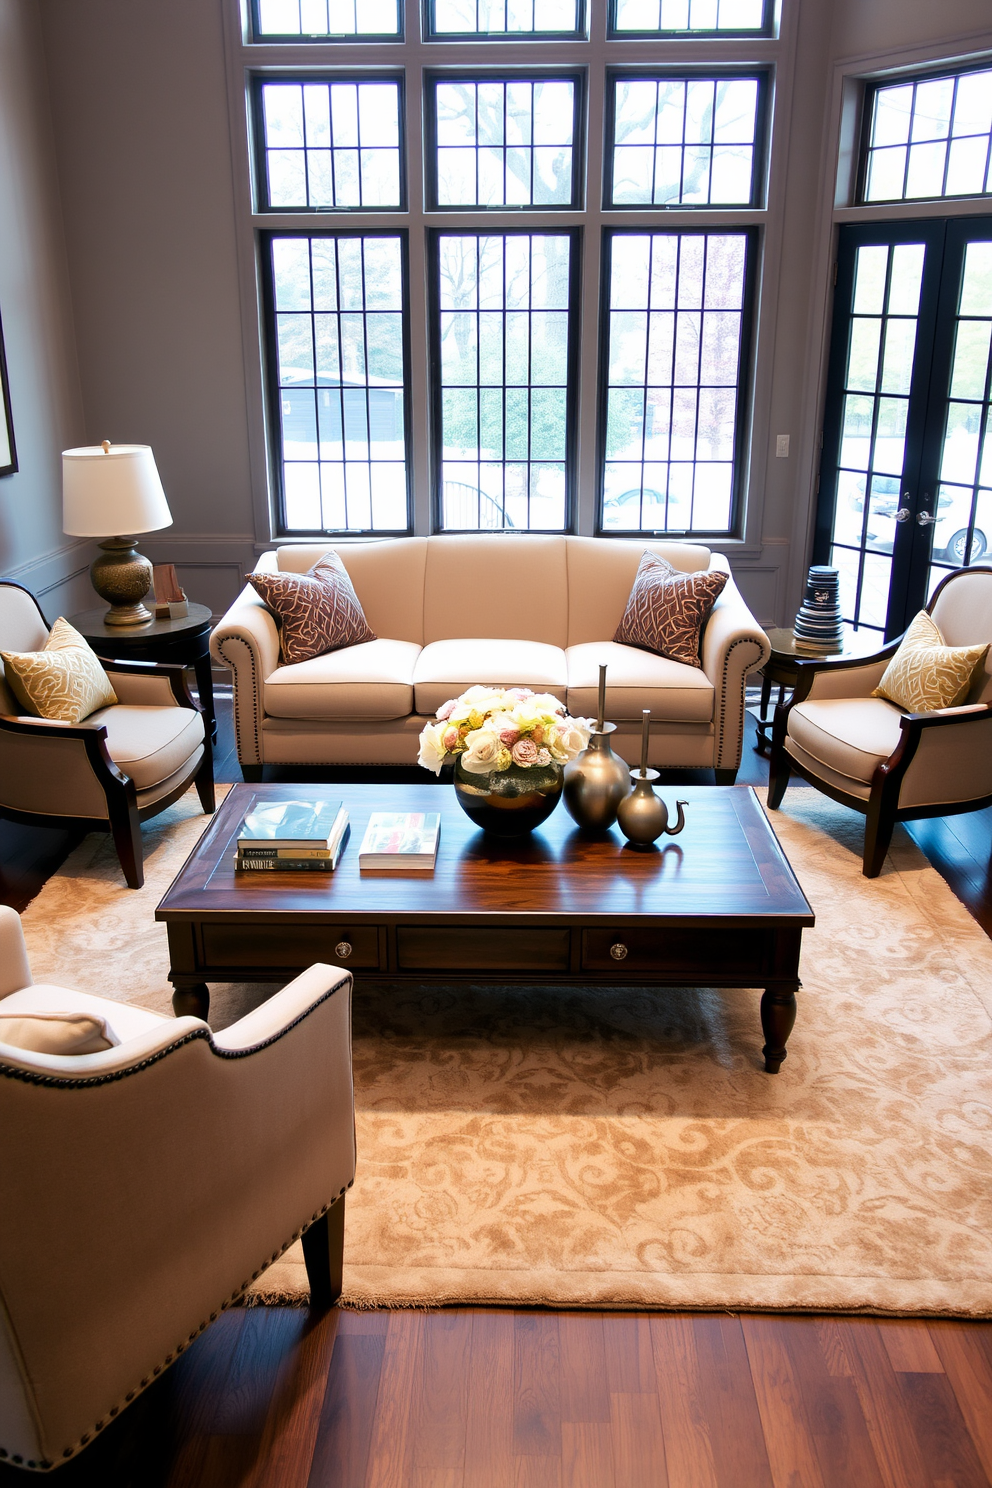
[150, 744]
[446, 668]
[124, 1021]
[372, 680]
[850, 736]
[635, 680]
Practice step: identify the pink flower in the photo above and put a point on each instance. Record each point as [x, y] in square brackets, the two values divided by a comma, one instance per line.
[525, 752]
[520, 693]
[508, 737]
[450, 738]
[446, 709]
[543, 757]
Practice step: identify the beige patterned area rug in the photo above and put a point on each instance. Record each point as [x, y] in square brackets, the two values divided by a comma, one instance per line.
[603, 1148]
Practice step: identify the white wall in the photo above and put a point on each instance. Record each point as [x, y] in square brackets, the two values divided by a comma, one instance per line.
[37, 325]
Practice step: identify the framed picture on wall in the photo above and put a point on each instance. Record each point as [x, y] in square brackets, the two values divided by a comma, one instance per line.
[8, 454]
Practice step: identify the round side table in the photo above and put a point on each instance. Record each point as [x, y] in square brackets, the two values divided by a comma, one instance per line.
[782, 668]
[184, 641]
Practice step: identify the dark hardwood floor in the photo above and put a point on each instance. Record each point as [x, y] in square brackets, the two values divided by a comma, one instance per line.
[476, 1398]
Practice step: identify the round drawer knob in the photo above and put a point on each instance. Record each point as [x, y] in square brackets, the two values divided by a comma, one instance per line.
[618, 951]
[343, 950]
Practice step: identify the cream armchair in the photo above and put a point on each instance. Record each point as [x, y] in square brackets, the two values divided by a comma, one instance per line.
[871, 755]
[143, 1189]
[118, 767]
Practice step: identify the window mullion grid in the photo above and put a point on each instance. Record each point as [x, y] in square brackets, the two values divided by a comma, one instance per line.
[306, 144]
[699, 380]
[502, 318]
[671, 376]
[950, 137]
[368, 385]
[313, 354]
[647, 358]
[909, 143]
[344, 447]
[530, 351]
[478, 378]
[654, 148]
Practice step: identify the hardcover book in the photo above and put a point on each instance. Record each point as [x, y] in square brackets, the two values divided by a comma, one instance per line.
[400, 841]
[292, 826]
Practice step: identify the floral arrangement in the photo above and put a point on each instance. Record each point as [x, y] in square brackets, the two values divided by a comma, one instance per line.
[493, 728]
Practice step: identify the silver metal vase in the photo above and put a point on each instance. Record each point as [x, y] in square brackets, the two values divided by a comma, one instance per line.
[596, 781]
[643, 816]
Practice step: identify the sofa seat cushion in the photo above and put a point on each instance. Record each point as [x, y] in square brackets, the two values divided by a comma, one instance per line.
[446, 668]
[373, 680]
[123, 1020]
[851, 736]
[635, 680]
[150, 744]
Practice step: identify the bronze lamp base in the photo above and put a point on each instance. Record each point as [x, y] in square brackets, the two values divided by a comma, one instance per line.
[122, 576]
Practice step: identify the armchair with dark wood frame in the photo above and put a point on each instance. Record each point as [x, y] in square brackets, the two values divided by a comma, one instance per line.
[900, 766]
[60, 775]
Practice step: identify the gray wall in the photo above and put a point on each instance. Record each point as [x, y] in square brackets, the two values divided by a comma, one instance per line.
[147, 192]
[37, 325]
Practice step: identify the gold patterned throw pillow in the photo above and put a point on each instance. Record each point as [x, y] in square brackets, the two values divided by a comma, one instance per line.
[924, 674]
[64, 683]
[667, 609]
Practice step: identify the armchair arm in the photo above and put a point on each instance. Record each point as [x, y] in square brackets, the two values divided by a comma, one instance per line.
[733, 646]
[151, 684]
[56, 769]
[941, 758]
[843, 676]
[247, 641]
[185, 1174]
[15, 971]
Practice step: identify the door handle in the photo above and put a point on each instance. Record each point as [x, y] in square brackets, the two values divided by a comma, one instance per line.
[925, 518]
[903, 514]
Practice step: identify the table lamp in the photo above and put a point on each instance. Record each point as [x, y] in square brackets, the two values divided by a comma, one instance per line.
[115, 488]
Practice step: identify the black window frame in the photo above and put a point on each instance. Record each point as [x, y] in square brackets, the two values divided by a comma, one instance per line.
[435, 411]
[273, 398]
[759, 162]
[325, 38]
[575, 75]
[260, 80]
[874, 86]
[754, 236]
[766, 29]
[581, 32]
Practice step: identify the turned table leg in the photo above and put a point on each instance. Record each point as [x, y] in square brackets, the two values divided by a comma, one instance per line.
[191, 1000]
[778, 1014]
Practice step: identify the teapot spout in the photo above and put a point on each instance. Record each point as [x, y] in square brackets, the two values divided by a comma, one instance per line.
[679, 820]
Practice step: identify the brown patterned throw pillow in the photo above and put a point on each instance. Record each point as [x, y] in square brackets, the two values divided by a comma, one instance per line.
[667, 609]
[316, 612]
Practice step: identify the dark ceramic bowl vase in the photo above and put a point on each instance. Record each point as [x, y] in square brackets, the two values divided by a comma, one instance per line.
[509, 803]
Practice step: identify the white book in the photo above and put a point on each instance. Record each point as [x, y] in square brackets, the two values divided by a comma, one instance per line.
[400, 840]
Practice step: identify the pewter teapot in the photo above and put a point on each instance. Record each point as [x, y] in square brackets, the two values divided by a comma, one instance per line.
[643, 817]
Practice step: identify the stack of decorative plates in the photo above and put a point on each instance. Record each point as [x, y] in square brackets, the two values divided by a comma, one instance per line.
[819, 627]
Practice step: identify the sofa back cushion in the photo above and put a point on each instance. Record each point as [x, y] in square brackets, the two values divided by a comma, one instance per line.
[388, 577]
[601, 572]
[507, 586]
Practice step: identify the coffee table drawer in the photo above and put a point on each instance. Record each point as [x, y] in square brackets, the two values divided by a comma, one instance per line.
[290, 945]
[419, 948]
[623, 951]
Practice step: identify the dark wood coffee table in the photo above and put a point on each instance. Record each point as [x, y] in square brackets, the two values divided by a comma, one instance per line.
[719, 906]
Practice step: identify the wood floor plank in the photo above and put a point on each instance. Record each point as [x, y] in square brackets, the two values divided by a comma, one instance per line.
[289, 1437]
[968, 1367]
[909, 1346]
[389, 1451]
[688, 1448]
[830, 1332]
[789, 1443]
[585, 1394]
[536, 1385]
[266, 1339]
[728, 1402]
[587, 1455]
[945, 1446]
[437, 1428]
[638, 1442]
[629, 1354]
[883, 1406]
[489, 1456]
[538, 1472]
[344, 1434]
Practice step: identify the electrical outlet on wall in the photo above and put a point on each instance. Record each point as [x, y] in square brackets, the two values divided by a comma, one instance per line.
[781, 446]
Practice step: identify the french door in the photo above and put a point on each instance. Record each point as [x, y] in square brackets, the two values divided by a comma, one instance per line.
[906, 471]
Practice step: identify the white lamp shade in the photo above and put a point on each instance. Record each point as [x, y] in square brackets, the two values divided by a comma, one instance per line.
[112, 493]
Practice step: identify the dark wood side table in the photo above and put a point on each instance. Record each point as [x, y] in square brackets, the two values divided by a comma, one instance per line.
[185, 641]
[782, 668]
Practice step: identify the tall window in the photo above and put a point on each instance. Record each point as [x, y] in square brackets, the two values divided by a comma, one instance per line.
[473, 320]
[930, 137]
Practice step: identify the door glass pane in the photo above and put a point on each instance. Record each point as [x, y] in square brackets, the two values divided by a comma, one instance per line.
[962, 533]
[504, 336]
[878, 370]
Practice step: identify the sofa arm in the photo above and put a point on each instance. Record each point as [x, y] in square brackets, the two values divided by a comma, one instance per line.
[15, 971]
[734, 645]
[247, 641]
[227, 1157]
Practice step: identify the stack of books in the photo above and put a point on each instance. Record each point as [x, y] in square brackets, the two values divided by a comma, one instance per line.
[292, 837]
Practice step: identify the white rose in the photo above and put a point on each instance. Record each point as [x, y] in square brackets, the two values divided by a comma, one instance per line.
[571, 739]
[482, 751]
[432, 751]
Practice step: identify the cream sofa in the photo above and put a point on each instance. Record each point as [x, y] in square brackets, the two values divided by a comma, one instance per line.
[516, 610]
